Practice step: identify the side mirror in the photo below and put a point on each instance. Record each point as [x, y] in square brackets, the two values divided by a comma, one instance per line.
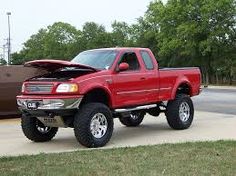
[123, 66]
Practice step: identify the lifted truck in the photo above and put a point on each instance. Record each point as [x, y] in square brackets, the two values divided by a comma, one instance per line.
[102, 84]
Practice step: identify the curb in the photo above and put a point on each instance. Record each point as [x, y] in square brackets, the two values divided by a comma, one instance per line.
[219, 87]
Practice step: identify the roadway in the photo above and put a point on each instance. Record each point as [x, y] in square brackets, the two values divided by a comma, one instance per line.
[220, 100]
[215, 119]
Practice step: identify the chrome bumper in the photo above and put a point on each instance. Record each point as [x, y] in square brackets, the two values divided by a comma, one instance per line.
[50, 104]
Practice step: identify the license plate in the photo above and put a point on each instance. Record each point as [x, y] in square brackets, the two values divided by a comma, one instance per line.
[32, 105]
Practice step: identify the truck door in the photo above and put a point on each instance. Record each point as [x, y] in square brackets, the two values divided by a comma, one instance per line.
[128, 86]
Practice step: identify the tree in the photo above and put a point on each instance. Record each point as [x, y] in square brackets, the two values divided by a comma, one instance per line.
[121, 34]
[191, 32]
[35, 46]
[60, 41]
[17, 58]
[144, 34]
[3, 61]
[95, 36]
[180, 33]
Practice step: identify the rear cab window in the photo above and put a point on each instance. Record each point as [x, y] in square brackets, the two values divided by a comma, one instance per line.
[147, 60]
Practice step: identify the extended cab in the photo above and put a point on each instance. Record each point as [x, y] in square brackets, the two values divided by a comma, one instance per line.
[102, 84]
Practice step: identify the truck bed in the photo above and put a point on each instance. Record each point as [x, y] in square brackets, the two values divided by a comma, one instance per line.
[170, 77]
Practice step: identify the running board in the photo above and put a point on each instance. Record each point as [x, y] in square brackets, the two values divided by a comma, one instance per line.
[136, 108]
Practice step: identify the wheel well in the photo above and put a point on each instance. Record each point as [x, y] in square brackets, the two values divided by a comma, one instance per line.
[184, 89]
[96, 95]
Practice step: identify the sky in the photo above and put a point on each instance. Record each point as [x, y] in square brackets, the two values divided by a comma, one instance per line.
[28, 16]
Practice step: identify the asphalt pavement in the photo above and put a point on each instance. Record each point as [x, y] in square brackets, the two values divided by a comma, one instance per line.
[207, 126]
[154, 130]
[216, 99]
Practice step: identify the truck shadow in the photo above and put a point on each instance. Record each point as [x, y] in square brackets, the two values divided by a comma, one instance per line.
[142, 134]
[122, 135]
[148, 132]
[151, 131]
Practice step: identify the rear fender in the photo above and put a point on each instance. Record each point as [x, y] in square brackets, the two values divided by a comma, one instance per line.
[179, 82]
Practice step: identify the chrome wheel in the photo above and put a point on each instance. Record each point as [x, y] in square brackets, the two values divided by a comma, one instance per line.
[98, 125]
[41, 127]
[133, 119]
[134, 116]
[43, 130]
[184, 111]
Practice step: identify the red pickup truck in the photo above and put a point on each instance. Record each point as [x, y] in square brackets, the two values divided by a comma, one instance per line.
[102, 84]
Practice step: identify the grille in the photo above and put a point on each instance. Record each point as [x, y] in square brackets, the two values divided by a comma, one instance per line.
[38, 88]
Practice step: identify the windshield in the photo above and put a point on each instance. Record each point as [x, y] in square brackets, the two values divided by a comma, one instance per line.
[99, 59]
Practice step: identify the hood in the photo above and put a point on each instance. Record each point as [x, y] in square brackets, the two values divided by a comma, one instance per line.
[52, 65]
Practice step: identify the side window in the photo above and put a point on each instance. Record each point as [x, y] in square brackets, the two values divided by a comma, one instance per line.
[147, 60]
[132, 60]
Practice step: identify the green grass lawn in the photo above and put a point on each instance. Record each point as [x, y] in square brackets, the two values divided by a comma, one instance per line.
[201, 158]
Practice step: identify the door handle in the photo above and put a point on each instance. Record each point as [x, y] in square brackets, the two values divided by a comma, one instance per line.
[142, 78]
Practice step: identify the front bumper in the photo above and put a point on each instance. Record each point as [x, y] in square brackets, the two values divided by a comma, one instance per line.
[48, 103]
[51, 111]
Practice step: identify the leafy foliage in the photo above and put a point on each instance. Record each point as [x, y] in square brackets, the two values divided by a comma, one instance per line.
[180, 33]
[2, 61]
[194, 32]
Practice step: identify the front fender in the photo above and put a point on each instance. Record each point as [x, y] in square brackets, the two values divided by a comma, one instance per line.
[91, 87]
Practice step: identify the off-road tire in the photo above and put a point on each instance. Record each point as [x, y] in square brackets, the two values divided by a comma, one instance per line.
[130, 122]
[173, 112]
[29, 128]
[82, 122]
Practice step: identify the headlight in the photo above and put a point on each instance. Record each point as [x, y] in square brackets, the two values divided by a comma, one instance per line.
[23, 88]
[66, 88]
